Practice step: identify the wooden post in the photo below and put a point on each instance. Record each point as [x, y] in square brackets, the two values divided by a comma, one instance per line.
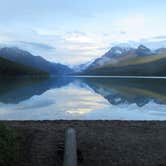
[70, 153]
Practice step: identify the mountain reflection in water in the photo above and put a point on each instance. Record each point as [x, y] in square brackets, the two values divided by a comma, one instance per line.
[82, 98]
[138, 91]
[15, 90]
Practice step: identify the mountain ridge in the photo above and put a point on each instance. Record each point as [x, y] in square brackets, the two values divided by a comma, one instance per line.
[129, 61]
[25, 58]
[10, 68]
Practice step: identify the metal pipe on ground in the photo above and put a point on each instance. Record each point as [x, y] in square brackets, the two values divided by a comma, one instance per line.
[70, 153]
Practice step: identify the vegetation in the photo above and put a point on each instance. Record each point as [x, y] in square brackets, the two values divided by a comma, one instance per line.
[10, 68]
[136, 60]
[141, 60]
[8, 146]
[35, 62]
[154, 65]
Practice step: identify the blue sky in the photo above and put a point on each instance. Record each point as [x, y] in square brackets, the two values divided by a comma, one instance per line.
[77, 31]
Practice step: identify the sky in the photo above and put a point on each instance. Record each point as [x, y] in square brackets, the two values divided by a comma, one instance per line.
[77, 31]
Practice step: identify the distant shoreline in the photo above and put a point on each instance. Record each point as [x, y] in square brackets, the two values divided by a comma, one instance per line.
[107, 76]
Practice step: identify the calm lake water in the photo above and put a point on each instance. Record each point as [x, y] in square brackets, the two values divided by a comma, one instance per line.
[83, 98]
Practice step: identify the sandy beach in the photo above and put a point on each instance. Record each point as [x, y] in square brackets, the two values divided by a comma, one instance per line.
[106, 143]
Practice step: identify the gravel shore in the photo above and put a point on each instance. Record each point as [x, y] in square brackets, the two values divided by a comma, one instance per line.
[100, 143]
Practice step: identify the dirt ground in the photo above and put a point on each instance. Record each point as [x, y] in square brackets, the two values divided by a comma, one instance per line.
[100, 143]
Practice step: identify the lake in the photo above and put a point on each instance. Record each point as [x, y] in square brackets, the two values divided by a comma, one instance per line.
[83, 98]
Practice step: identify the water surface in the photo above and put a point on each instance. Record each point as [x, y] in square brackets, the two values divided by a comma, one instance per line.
[83, 98]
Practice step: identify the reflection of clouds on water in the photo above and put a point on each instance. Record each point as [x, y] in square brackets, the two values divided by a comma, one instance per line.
[72, 102]
[64, 103]
[151, 111]
[35, 104]
[97, 100]
[16, 90]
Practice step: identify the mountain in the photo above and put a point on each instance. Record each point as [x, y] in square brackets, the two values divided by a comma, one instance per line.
[81, 67]
[10, 68]
[25, 58]
[130, 61]
[112, 56]
[143, 51]
[161, 51]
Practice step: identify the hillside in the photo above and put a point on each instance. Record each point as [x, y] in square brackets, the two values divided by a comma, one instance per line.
[154, 68]
[25, 58]
[140, 61]
[9, 68]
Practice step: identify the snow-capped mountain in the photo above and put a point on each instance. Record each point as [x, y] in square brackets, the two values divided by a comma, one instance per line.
[111, 56]
[143, 51]
[116, 54]
[130, 61]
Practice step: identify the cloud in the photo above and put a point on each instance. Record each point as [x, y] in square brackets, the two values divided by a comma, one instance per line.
[122, 32]
[132, 27]
[76, 32]
[82, 47]
[79, 31]
[132, 22]
[154, 42]
[156, 38]
[78, 37]
[33, 47]
[37, 45]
